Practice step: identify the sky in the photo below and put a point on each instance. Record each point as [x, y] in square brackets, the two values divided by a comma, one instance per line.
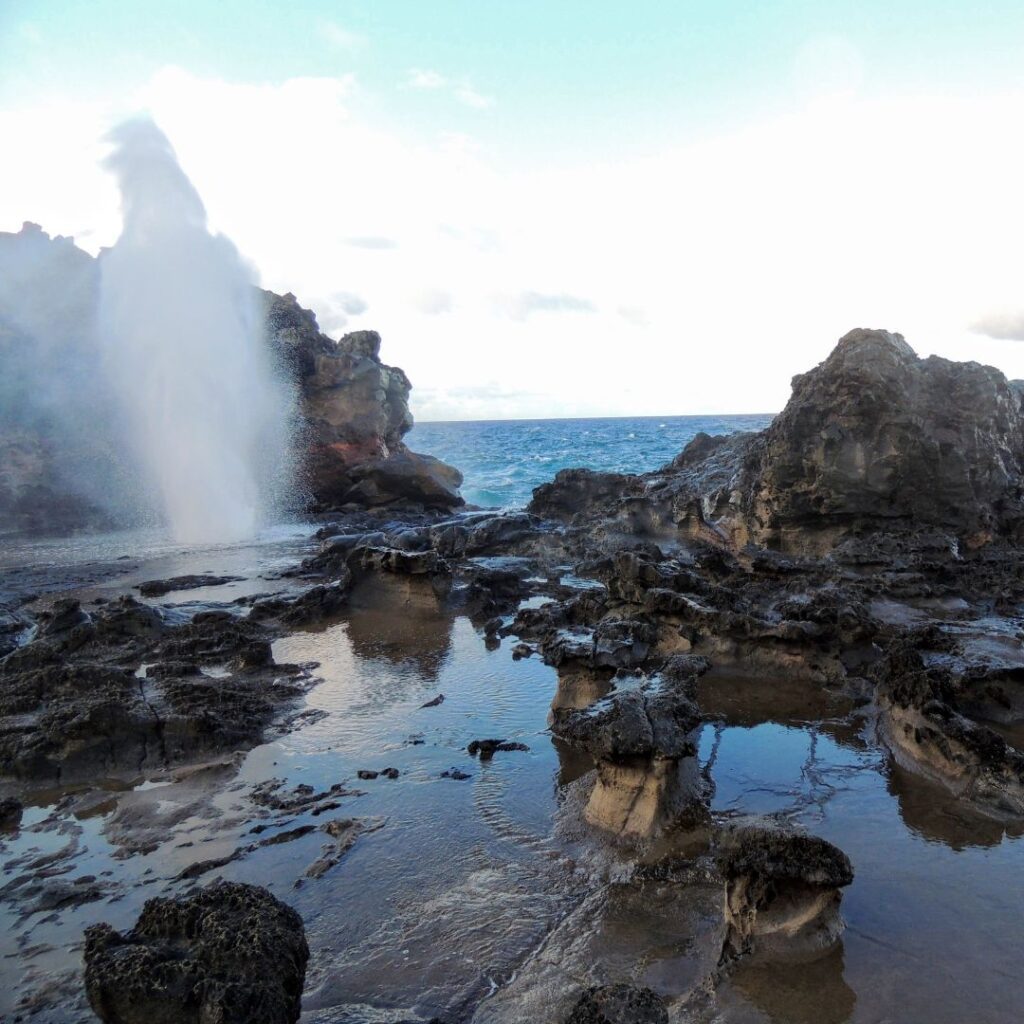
[563, 209]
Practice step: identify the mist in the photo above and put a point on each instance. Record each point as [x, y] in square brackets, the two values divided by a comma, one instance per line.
[146, 369]
[183, 352]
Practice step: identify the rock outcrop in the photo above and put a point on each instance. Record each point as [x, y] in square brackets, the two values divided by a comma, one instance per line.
[619, 1004]
[782, 892]
[642, 739]
[873, 440]
[356, 412]
[230, 953]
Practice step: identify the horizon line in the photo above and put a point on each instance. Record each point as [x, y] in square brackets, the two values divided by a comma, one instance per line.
[568, 419]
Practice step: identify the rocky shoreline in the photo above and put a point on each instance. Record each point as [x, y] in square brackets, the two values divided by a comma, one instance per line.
[865, 548]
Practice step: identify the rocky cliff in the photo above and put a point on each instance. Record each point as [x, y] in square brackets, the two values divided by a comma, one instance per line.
[873, 440]
[355, 411]
[60, 454]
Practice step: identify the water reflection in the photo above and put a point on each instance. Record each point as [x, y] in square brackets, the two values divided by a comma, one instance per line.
[931, 811]
[795, 993]
[400, 621]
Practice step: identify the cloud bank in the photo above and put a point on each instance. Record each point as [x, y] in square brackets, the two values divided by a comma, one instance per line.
[695, 279]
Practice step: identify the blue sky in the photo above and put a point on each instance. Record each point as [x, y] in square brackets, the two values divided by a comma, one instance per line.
[649, 70]
[556, 179]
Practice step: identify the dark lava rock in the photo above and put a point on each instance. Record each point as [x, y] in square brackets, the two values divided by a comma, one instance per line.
[10, 814]
[63, 721]
[781, 892]
[157, 588]
[230, 953]
[574, 490]
[619, 1004]
[639, 719]
[455, 773]
[774, 855]
[488, 748]
[313, 605]
[64, 614]
[406, 476]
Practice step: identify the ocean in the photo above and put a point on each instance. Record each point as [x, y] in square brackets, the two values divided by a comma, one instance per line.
[504, 460]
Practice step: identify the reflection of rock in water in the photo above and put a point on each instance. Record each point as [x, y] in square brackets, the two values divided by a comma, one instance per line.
[746, 699]
[796, 993]
[400, 618]
[579, 687]
[929, 809]
[573, 763]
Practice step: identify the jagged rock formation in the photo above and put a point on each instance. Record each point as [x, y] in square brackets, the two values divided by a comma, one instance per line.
[62, 464]
[73, 705]
[868, 540]
[356, 413]
[873, 440]
[782, 892]
[231, 953]
[642, 739]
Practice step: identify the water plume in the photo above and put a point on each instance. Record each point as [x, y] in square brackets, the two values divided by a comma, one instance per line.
[183, 352]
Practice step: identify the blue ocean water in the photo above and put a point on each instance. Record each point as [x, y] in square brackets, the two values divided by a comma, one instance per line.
[503, 460]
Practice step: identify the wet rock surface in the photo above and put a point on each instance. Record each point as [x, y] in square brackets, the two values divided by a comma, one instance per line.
[619, 1004]
[230, 953]
[781, 892]
[785, 593]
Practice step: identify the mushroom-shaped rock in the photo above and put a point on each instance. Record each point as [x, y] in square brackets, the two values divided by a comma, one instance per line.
[230, 954]
[781, 892]
[640, 735]
[619, 1004]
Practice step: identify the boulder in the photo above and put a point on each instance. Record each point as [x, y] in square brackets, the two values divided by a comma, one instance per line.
[619, 1004]
[356, 412]
[781, 892]
[230, 953]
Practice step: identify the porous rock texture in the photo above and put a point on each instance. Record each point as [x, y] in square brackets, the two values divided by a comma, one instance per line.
[227, 954]
[782, 892]
[619, 1004]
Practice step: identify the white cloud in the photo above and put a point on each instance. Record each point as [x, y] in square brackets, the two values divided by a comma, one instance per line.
[433, 301]
[746, 255]
[524, 304]
[1004, 326]
[371, 242]
[463, 91]
[470, 97]
[425, 79]
[342, 38]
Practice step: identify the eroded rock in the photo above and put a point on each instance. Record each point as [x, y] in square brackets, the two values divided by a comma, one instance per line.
[231, 953]
[782, 892]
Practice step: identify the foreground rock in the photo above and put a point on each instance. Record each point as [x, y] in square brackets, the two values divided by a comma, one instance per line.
[619, 1004]
[782, 893]
[77, 703]
[230, 953]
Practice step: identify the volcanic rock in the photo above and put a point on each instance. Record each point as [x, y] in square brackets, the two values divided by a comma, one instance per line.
[781, 892]
[231, 953]
[356, 413]
[619, 1004]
